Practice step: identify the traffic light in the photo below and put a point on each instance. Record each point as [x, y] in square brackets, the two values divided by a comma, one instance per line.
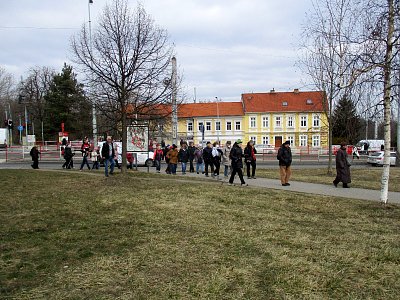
[10, 124]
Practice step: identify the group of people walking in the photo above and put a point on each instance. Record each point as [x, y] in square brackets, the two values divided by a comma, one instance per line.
[208, 161]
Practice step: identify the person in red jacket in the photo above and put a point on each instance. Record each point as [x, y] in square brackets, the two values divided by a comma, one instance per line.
[158, 157]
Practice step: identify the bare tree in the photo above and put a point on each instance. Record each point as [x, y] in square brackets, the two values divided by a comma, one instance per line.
[379, 42]
[33, 91]
[328, 58]
[126, 64]
[6, 89]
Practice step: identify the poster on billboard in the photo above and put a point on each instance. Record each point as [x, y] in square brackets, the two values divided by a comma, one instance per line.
[137, 138]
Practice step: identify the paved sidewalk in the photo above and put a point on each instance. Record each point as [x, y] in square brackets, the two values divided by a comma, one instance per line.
[303, 187]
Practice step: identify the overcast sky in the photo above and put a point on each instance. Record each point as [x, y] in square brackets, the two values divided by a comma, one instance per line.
[224, 48]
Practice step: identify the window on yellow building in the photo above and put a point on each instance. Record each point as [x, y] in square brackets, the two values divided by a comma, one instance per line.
[316, 141]
[218, 125]
[303, 121]
[265, 122]
[254, 139]
[208, 126]
[290, 121]
[315, 120]
[238, 125]
[253, 122]
[303, 141]
[278, 121]
[228, 126]
[265, 140]
[201, 124]
[190, 126]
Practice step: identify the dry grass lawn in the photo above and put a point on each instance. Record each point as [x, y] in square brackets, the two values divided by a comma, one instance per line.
[74, 236]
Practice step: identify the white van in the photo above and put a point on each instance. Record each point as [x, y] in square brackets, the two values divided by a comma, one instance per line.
[367, 146]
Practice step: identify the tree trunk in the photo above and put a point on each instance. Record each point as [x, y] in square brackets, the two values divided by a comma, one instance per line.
[124, 140]
[387, 108]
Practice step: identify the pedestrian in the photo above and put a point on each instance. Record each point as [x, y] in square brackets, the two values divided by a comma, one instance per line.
[166, 150]
[285, 161]
[95, 157]
[183, 157]
[236, 156]
[216, 153]
[129, 159]
[85, 149]
[158, 157]
[342, 167]
[250, 158]
[34, 153]
[108, 155]
[198, 154]
[191, 150]
[173, 159]
[68, 155]
[355, 153]
[226, 161]
[208, 159]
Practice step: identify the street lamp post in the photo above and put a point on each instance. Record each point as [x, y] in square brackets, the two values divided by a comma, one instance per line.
[218, 120]
[94, 121]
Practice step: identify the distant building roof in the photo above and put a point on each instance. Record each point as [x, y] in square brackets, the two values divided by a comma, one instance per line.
[211, 109]
[295, 101]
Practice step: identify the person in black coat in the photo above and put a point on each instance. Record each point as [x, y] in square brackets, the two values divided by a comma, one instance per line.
[68, 155]
[285, 161]
[191, 150]
[183, 156]
[342, 167]
[108, 154]
[250, 158]
[35, 157]
[208, 159]
[236, 156]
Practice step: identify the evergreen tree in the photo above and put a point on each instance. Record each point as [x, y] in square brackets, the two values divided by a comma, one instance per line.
[347, 124]
[66, 103]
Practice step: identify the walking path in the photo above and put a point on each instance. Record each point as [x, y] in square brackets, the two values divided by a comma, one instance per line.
[296, 186]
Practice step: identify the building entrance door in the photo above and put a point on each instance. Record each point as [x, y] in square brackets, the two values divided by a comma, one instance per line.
[278, 141]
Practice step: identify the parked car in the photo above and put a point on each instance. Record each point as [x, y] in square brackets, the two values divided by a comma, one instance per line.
[265, 149]
[376, 158]
[143, 158]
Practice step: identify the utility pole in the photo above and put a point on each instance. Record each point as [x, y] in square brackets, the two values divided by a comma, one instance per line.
[174, 105]
[94, 121]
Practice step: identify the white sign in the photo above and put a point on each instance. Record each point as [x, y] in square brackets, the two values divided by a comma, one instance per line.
[31, 138]
[137, 138]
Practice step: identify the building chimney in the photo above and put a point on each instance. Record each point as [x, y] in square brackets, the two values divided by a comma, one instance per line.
[272, 91]
[296, 91]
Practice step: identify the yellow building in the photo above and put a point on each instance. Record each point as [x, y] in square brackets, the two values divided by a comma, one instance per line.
[274, 117]
[222, 121]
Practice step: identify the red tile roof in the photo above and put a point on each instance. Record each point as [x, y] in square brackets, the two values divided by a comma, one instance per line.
[190, 110]
[284, 102]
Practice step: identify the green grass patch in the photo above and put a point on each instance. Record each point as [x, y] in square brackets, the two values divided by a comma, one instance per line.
[368, 178]
[80, 236]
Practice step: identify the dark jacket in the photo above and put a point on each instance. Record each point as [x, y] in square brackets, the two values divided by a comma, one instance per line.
[207, 155]
[247, 153]
[34, 153]
[68, 152]
[284, 156]
[236, 156]
[183, 155]
[342, 167]
[191, 150]
[105, 151]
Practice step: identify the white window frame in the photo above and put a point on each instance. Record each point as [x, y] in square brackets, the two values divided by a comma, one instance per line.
[190, 124]
[291, 139]
[230, 123]
[199, 123]
[303, 140]
[290, 119]
[217, 124]
[303, 118]
[254, 139]
[315, 138]
[280, 121]
[236, 125]
[265, 140]
[208, 126]
[316, 121]
[265, 121]
[253, 122]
